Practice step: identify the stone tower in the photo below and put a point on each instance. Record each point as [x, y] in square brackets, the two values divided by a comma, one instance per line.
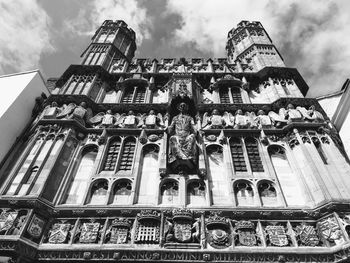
[249, 43]
[177, 160]
[112, 40]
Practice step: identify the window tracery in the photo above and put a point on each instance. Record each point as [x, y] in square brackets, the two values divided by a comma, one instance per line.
[169, 192]
[244, 193]
[98, 193]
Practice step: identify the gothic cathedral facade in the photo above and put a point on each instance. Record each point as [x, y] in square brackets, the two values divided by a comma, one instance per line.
[187, 160]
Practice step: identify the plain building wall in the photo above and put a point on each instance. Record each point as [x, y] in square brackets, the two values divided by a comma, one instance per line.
[17, 100]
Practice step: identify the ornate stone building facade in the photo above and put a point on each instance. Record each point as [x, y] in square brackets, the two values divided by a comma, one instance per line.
[190, 160]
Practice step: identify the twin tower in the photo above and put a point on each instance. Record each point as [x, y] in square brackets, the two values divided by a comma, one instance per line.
[248, 44]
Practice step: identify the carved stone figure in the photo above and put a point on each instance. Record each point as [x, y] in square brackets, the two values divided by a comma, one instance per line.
[153, 121]
[278, 120]
[330, 230]
[89, 232]
[311, 114]
[251, 120]
[129, 121]
[263, 120]
[293, 114]
[182, 142]
[50, 111]
[216, 121]
[36, 227]
[241, 121]
[103, 120]
[7, 219]
[79, 113]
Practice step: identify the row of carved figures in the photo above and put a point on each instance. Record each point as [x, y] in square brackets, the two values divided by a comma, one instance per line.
[262, 120]
[181, 228]
[214, 120]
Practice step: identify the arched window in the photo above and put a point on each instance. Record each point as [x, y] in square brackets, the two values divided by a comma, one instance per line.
[149, 175]
[230, 95]
[196, 193]
[98, 192]
[236, 95]
[169, 192]
[253, 155]
[237, 155]
[244, 193]
[289, 181]
[80, 178]
[224, 95]
[218, 178]
[319, 149]
[127, 154]
[135, 94]
[111, 158]
[267, 193]
[121, 192]
[140, 95]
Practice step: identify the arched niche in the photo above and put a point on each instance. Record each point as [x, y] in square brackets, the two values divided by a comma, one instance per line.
[244, 193]
[169, 192]
[98, 192]
[290, 183]
[268, 193]
[218, 177]
[121, 192]
[196, 193]
[80, 177]
[149, 175]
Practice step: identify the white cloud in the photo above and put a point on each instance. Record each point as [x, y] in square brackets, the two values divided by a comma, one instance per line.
[24, 35]
[89, 19]
[312, 35]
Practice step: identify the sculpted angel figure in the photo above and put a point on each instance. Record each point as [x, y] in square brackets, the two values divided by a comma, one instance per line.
[129, 121]
[278, 120]
[263, 120]
[103, 119]
[79, 113]
[293, 114]
[50, 111]
[311, 115]
[183, 140]
[216, 121]
[241, 121]
[153, 121]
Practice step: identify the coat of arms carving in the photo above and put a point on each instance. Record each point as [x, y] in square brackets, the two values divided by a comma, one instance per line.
[218, 231]
[89, 232]
[118, 232]
[277, 235]
[245, 230]
[307, 235]
[59, 233]
[36, 227]
[7, 219]
[148, 227]
[330, 230]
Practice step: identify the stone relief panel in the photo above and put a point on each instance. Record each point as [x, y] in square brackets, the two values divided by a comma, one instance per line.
[12, 221]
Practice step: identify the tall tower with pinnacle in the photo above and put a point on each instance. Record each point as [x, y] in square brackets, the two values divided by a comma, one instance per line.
[112, 40]
[249, 43]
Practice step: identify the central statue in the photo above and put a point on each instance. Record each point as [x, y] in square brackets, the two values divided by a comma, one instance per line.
[182, 143]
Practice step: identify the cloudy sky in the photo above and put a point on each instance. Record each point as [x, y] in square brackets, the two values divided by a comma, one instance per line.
[311, 35]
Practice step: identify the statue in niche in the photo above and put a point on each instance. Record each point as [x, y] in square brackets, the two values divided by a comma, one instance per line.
[182, 143]
[80, 113]
[263, 120]
[216, 121]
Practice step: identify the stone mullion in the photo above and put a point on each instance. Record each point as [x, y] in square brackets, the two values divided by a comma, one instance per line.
[262, 234]
[292, 235]
[182, 191]
[136, 171]
[148, 94]
[65, 87]
[229, 90]
[74, 230]
[246, 156]
[93, 82]
[230, 162]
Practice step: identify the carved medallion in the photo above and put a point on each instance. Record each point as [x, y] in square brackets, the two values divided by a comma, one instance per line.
[59, 233]
[277, 235]
[246, 233]
[119, 231]
[329, 229]
[307, 235]
[89, 232]
[7, 219]
[36, 227]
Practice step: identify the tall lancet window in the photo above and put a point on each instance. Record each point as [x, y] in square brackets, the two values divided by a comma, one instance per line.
[290, 183]
[237, 155]
[149, 175]
[236, 95]
[121, 192]
[196, 193]
[253, 155]
[224, 95]
[111, 158]
[169, 192]
[127, 154]
[79, 181]
[218, 178]
[244, 193]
